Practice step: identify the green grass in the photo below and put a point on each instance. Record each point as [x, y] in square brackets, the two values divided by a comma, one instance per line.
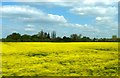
[60, 59]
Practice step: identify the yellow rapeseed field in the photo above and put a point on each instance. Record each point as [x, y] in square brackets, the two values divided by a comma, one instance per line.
[59, 59]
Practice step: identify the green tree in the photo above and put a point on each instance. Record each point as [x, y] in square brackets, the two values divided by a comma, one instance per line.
[48, 36]
[53, 35]
[86, 39]
[41, 34]
[26, 38]
[74, 37]
[114, 37]
[14, 37]
[34, 38]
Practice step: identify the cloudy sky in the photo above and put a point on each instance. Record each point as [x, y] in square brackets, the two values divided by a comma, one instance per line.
[91, 18]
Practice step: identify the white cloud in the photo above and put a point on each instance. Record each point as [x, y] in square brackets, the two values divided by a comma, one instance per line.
[102, 10]
[95, 11]
[83, 28]
[105, 15]
[22, 10]
[103, 18]
[98, 18]
[107, 22]
[29, 28]
[76, 3]
[57, 18]
[14, 31]
[30, 14]
[85, 1]
[95, 2]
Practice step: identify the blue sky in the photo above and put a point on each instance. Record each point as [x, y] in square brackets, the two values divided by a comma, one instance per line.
[89, 18]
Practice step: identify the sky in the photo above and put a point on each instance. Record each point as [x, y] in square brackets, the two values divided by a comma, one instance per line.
[91, 18]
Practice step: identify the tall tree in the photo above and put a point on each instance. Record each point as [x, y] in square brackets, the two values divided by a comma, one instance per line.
[74, 37]
[80, 35]
[41, 34]
[48, 36]
[45, 35]
[53, 35]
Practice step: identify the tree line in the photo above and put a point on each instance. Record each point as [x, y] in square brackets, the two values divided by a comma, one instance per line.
[51, 37]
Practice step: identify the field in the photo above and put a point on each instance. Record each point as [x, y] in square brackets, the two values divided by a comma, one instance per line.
[60, 59]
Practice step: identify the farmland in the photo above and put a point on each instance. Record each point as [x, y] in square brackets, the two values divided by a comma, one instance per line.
[59, 59]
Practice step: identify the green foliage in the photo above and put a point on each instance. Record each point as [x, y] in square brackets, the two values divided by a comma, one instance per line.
[46, 37]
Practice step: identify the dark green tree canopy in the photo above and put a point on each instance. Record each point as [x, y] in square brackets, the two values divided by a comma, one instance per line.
[51, 37]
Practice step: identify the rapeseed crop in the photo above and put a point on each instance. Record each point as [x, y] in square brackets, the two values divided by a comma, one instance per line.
[59, 59]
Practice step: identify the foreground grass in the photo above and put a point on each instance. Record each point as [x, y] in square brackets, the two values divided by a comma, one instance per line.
[59, 59]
